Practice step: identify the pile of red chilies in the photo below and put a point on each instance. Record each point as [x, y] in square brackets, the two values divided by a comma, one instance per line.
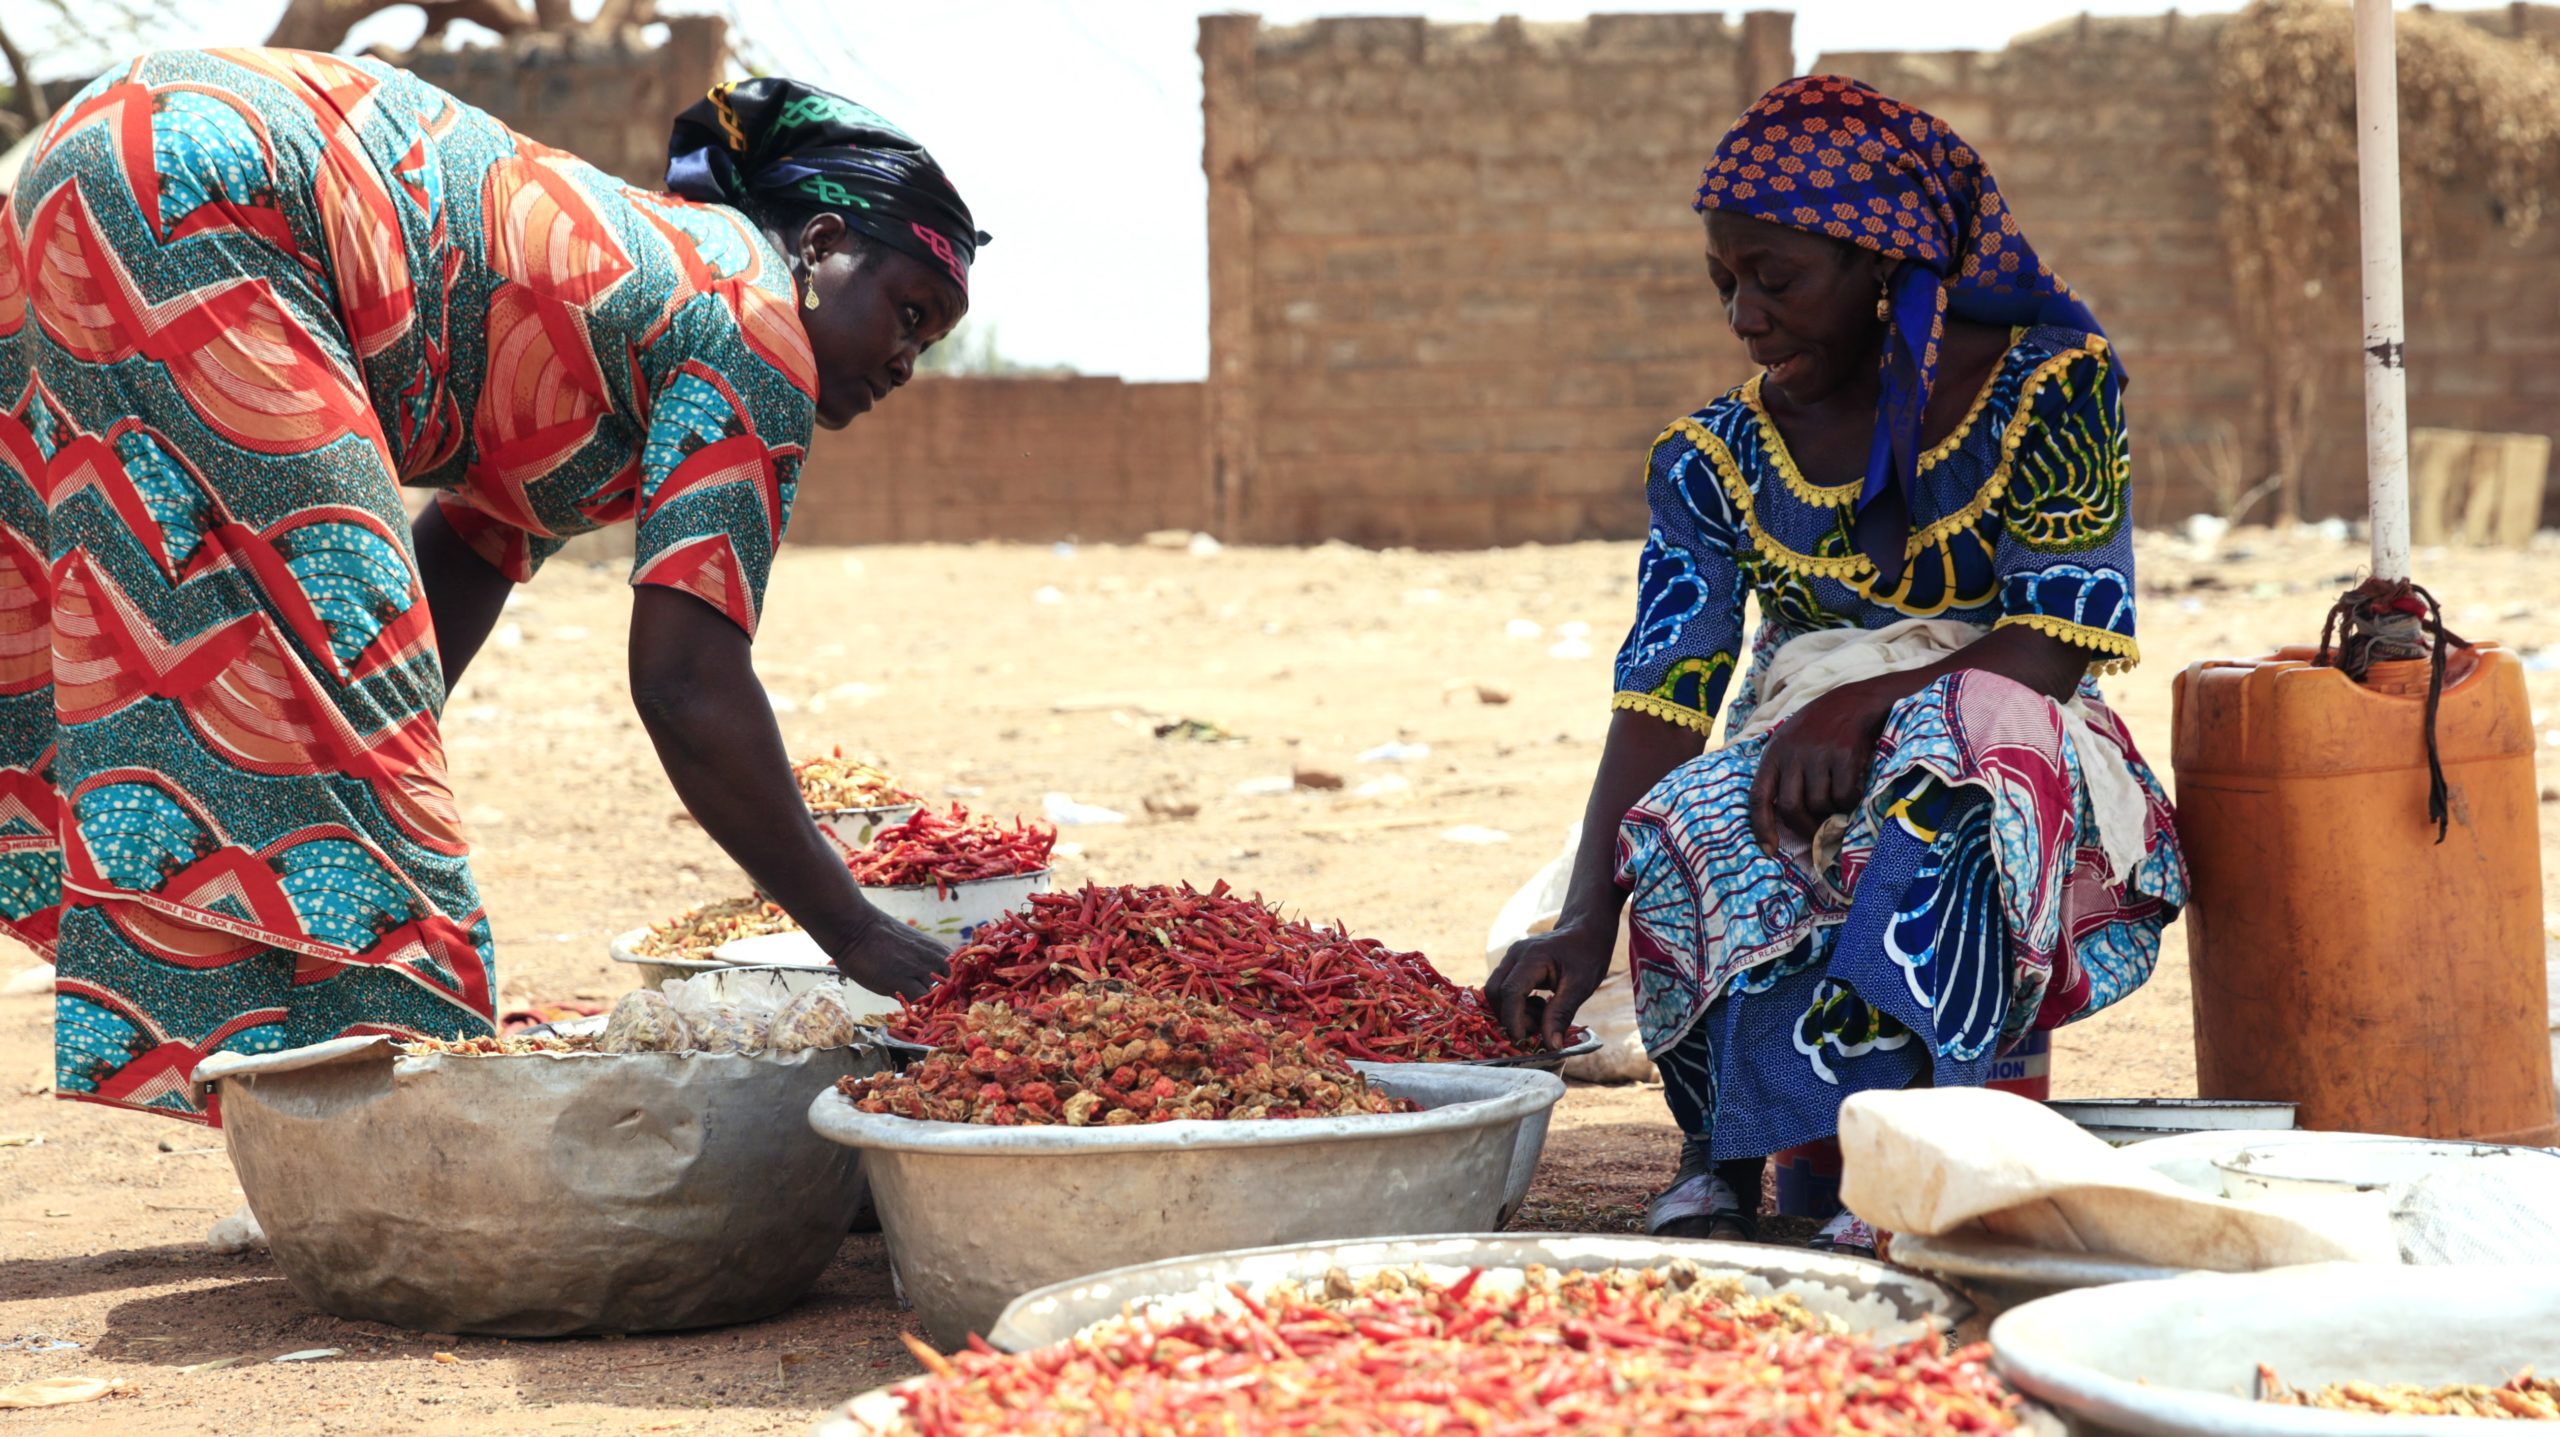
[1105, 1055]
[945, 849]
[1451, 1360]
[1355, 995]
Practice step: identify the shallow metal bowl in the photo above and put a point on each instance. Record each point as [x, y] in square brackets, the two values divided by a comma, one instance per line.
[541, 1195]
[1867, 1296]
[2180, 1359]
[976, 1216]
[655, 972]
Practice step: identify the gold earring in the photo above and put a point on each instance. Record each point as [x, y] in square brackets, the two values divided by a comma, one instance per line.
[809, 297]
[1884, 305]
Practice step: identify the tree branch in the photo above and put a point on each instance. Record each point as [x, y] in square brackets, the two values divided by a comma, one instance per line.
[323, 24]
[26, 93]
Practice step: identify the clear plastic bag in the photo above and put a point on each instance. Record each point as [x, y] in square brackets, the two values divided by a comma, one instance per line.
[721, 1023]
[645, 1022]
[815, 1019]
[727, 1028]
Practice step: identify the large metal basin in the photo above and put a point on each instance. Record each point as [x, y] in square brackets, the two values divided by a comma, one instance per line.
[1868, 1296]
[541, 1195]
[977, 1216]
[2178, 1358]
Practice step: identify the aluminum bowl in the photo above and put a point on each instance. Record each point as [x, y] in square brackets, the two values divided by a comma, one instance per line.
[976, 1216]
[541, 1195]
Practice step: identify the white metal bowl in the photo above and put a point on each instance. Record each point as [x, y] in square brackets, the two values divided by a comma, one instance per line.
[976, 1216]
[953, 915]
[852, 829]
[2180, 1358]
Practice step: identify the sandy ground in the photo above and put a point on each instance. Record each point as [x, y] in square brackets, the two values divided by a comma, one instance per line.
[1000, 674]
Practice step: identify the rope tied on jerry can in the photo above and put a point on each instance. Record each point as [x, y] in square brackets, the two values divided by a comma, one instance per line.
[2383, 619]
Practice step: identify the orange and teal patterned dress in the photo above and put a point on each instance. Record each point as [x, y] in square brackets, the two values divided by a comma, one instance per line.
[245, 297]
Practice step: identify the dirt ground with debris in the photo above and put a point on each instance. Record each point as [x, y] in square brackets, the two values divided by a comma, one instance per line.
[999, 675]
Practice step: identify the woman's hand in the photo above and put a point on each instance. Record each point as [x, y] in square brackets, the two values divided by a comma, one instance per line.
[1816, 764]
[889, 958]
[1567, 962]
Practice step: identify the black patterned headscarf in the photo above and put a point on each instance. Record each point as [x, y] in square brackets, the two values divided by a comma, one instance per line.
[766, 145]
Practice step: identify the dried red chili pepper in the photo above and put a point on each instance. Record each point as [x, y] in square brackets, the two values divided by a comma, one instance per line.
[1357, 996]
[944, 849]
[1102, 1055]
[1656, 1350]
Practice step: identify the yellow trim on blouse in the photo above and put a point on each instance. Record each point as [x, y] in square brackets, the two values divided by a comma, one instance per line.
[1656, 706]
[2124, 652]
[1854, 565]
[1840, 496]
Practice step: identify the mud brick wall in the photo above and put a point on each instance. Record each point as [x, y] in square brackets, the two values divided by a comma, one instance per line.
[1455, 287]
[958, 460]
[2101, 132]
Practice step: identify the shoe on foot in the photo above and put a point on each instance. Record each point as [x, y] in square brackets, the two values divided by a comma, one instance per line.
[1847, 1234]
[1699, 1203]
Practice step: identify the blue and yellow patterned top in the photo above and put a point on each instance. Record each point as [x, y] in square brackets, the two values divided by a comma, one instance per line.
[2018, 517]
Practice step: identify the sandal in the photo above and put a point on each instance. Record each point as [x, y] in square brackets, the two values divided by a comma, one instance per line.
[1846, 1234]
[1699, 1203]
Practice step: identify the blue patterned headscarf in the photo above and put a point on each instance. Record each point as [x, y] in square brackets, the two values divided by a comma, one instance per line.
[1831, 156]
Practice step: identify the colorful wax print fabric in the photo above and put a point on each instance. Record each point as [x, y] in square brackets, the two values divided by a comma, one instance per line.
[245, 296]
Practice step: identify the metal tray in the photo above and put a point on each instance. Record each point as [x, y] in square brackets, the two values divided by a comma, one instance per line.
[1998, 1276]
[2121, 1121]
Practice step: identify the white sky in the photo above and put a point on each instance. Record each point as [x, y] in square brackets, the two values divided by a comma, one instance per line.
[1074, 128]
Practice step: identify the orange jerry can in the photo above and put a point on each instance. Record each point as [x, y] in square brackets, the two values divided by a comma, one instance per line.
[2342, 959]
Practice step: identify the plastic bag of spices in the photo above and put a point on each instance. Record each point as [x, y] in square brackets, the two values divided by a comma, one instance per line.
[815, 1019]
[718, 1022]
[645, 1022]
